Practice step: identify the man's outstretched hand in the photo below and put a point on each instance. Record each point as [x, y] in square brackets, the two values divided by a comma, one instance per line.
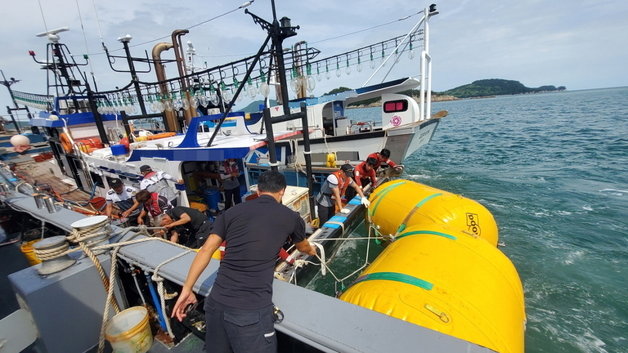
[186, 298]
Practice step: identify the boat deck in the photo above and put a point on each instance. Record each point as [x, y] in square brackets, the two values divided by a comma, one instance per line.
[42, 174]
[37, 167]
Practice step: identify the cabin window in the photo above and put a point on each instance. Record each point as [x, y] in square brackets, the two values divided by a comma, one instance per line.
[395, 106]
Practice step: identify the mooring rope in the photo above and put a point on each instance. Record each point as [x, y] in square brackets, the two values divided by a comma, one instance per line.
[160, 288]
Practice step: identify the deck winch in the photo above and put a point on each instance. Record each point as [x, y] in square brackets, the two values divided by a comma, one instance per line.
[50, 252]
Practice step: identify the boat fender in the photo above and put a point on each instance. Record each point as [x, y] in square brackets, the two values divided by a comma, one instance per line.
[65, 142]
[331, 160]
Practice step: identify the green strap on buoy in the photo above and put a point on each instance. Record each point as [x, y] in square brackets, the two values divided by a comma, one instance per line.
[380, 196]
[448, 236]
[396, 277]
[402, 226]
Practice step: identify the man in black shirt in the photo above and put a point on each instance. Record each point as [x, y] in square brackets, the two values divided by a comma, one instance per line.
[239, 309]
[186, 222]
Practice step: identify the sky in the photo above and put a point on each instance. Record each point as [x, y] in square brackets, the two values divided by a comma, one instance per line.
[580, 44]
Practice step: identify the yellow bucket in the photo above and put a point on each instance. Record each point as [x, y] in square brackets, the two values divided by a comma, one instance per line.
[129, 331]
[27, 250]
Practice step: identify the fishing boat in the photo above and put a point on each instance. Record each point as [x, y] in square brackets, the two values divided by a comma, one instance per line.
[93, 137]
[101, 269]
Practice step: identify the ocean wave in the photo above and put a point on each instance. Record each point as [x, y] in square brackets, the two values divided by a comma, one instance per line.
[588, 342]
[571, 257]
[417, 177]
[614, 192]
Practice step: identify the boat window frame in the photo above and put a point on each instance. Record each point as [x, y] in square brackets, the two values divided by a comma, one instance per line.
[404, 106]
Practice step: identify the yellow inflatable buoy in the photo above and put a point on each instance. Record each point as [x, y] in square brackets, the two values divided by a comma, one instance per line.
[399, 204]
[439, 278]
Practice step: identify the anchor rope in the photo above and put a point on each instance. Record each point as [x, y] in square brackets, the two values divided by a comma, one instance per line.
[110, 299]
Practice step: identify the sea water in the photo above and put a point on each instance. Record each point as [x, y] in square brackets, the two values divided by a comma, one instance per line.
[553, 170]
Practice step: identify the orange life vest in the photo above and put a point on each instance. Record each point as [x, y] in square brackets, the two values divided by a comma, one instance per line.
[343, 181]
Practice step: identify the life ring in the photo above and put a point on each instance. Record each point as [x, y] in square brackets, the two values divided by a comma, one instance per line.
[161, 135]
[66, 143]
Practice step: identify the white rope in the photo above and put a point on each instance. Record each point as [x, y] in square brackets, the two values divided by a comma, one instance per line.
[323, 263]
[321, 249]
[160, 289]
[105, 316]
[17, 186]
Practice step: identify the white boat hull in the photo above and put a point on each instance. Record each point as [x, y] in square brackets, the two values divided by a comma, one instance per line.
[402, 142]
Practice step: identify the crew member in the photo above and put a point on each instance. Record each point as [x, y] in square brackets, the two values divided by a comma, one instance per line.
[229, 174]
[383, 159]
[187, 226]
[119, 196]
[330, 197]
[157, 181]
[363, 175]
[155, 206]
[239, 309]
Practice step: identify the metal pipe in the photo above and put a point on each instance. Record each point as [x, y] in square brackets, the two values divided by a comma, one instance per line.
[298, 63]
[39, 201]
[50, 204]
[125, 43]
[170, 119]
[156, 302]
[270, 140]
[308, 157]
[179, 56]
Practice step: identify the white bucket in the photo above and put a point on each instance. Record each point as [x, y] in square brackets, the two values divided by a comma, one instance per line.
[129, 331]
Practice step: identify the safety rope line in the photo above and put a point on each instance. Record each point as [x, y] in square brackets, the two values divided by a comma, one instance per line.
[160, 288]
[325, 267]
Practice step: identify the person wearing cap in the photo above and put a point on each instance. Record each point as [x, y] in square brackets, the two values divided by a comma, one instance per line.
[154, 205]
[186, 225]
[157, 181]
[332, 190]
[120, 196]
[363, 175]
[239, 308]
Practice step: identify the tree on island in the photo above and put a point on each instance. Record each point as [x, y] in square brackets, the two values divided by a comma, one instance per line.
[496, 87]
